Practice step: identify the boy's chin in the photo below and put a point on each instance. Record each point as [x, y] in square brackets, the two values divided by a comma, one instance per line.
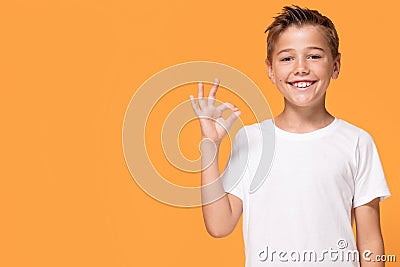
[303, 103]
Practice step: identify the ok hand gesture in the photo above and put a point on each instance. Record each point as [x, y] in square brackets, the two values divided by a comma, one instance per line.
[213, 126]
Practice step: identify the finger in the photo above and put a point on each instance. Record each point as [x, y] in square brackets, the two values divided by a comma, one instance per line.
[200, 94]
[232, 118]
[226, 106]
[194, 105]
[213, 92]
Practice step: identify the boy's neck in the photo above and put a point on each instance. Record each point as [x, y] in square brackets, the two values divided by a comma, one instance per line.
[303, 119]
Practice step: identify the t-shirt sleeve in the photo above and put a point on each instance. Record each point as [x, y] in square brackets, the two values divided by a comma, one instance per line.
[235, 171]
[370, 181]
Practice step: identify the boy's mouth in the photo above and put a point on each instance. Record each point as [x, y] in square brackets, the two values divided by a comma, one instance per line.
[301, 85]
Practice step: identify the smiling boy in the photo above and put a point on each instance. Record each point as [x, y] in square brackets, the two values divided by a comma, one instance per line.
[326, 173]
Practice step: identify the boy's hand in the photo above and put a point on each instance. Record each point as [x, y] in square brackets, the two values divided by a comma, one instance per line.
[213, 126]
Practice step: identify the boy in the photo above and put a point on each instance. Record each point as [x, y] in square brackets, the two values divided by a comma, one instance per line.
[325, 171]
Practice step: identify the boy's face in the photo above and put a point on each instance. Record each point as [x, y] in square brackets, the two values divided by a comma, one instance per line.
[302, 65]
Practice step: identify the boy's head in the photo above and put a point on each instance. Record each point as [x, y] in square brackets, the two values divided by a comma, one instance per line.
[303, 57]
[297, 16]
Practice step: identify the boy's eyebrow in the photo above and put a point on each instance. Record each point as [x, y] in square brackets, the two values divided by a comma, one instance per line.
[316, 47]
[309, 48]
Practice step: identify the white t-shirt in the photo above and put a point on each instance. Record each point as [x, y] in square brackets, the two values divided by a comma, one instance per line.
[300, 214]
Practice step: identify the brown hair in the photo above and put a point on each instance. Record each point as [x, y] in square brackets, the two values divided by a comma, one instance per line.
[297, 16]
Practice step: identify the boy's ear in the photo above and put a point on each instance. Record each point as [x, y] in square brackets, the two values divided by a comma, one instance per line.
[336, 67]
[270, 72]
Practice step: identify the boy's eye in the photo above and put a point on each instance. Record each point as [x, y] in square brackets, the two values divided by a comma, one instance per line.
[286, 59]
[314, 56]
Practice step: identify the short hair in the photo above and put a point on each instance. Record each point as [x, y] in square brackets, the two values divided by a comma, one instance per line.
[297, 16]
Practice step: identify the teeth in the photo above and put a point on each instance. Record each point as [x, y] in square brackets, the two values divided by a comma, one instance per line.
[302, 84]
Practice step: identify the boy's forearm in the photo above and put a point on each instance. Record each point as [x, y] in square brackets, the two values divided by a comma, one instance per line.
[369, 236]
[217, 215]
[209, 165]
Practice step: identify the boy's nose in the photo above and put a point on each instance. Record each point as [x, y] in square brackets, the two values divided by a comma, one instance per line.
[301, 68]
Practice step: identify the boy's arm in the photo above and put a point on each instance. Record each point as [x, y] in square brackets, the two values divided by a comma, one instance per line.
[222, 215]
[368, 232]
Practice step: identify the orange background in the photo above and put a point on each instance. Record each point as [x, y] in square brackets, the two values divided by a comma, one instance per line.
[68, 72]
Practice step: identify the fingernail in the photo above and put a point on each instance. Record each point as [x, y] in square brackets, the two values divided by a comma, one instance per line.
[216, 80]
